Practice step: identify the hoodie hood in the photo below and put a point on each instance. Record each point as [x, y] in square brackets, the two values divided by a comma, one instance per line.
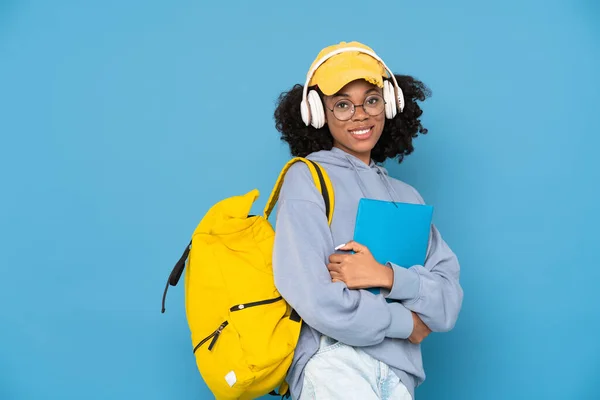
[337, 158]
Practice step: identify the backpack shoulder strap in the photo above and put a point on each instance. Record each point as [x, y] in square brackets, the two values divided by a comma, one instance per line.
[320, 178]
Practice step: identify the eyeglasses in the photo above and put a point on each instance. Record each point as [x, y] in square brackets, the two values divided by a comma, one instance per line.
[345, 109]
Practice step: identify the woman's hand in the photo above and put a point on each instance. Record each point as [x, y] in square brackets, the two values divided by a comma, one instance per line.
[420, 330]
[359, 270]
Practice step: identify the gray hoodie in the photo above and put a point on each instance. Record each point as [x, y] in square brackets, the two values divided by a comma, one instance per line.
[303, 243]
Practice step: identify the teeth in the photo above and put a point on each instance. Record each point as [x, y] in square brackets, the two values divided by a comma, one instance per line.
[361, 132]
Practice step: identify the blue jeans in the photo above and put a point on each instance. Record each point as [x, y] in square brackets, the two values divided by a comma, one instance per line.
[338, 371]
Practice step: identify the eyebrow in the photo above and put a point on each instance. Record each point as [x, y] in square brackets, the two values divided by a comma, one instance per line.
[347, 95]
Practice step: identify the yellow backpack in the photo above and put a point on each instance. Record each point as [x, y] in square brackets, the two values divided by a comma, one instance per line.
[243, 333]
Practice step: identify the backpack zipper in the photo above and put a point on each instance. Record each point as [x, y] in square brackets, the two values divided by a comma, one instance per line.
[214, 336]
[216, 333]
[255, 303]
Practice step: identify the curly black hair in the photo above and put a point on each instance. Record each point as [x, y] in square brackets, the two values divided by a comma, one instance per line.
[396, 139]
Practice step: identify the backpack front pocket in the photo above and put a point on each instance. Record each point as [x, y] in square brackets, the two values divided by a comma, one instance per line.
[220, 358]
[266, 331]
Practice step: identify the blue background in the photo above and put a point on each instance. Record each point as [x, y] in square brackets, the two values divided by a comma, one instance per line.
[122, 122]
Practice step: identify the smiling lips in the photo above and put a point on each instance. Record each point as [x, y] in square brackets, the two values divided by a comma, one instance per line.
[362, 133]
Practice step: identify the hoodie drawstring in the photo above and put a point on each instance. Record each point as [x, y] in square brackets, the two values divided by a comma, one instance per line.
[390, 188]
[360, 181]
[382, 175]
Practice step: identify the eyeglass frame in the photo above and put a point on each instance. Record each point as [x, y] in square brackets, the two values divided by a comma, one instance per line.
[354, 106]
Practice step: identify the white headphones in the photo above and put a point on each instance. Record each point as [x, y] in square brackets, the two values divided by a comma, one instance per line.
[311, 106]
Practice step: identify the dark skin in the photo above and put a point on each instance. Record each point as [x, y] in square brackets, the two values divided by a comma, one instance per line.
[360, 270]
[342, 131]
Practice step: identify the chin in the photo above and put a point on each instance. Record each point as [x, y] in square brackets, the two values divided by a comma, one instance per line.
[361, 148]
[364, 144]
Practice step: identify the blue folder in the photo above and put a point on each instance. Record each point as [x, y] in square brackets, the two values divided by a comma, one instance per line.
[393, 231]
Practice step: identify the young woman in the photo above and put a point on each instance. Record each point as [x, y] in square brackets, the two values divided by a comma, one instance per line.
[350, 117]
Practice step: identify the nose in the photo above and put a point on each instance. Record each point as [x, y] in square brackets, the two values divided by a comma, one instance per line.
[359, 114]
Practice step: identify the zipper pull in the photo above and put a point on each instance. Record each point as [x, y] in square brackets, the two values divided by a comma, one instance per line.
[216, 335]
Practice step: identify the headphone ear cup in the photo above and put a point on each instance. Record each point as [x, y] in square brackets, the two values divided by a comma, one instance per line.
[390, 99]
[401, 100]
[316, 110]
[305, 113]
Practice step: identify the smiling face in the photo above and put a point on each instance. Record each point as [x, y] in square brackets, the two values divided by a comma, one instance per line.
[359, 134]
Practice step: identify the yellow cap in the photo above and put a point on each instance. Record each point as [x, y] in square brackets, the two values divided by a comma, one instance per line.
[345, 67]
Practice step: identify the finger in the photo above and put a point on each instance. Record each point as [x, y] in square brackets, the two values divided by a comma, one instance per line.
[333, 267]
[336, 276]
[352, 246]
[337, 258]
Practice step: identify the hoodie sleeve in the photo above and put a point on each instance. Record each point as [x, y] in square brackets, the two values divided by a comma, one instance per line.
[303, 244]
[432, 290]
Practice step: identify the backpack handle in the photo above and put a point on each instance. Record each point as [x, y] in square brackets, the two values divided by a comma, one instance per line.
[320, 178]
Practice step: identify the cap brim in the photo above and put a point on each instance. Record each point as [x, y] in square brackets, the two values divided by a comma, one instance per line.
[332, 84]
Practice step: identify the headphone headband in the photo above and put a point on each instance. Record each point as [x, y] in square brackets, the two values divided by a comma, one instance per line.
[399, 97]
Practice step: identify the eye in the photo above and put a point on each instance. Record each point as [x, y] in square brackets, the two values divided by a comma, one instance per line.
[343, 105]
[373, 100]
